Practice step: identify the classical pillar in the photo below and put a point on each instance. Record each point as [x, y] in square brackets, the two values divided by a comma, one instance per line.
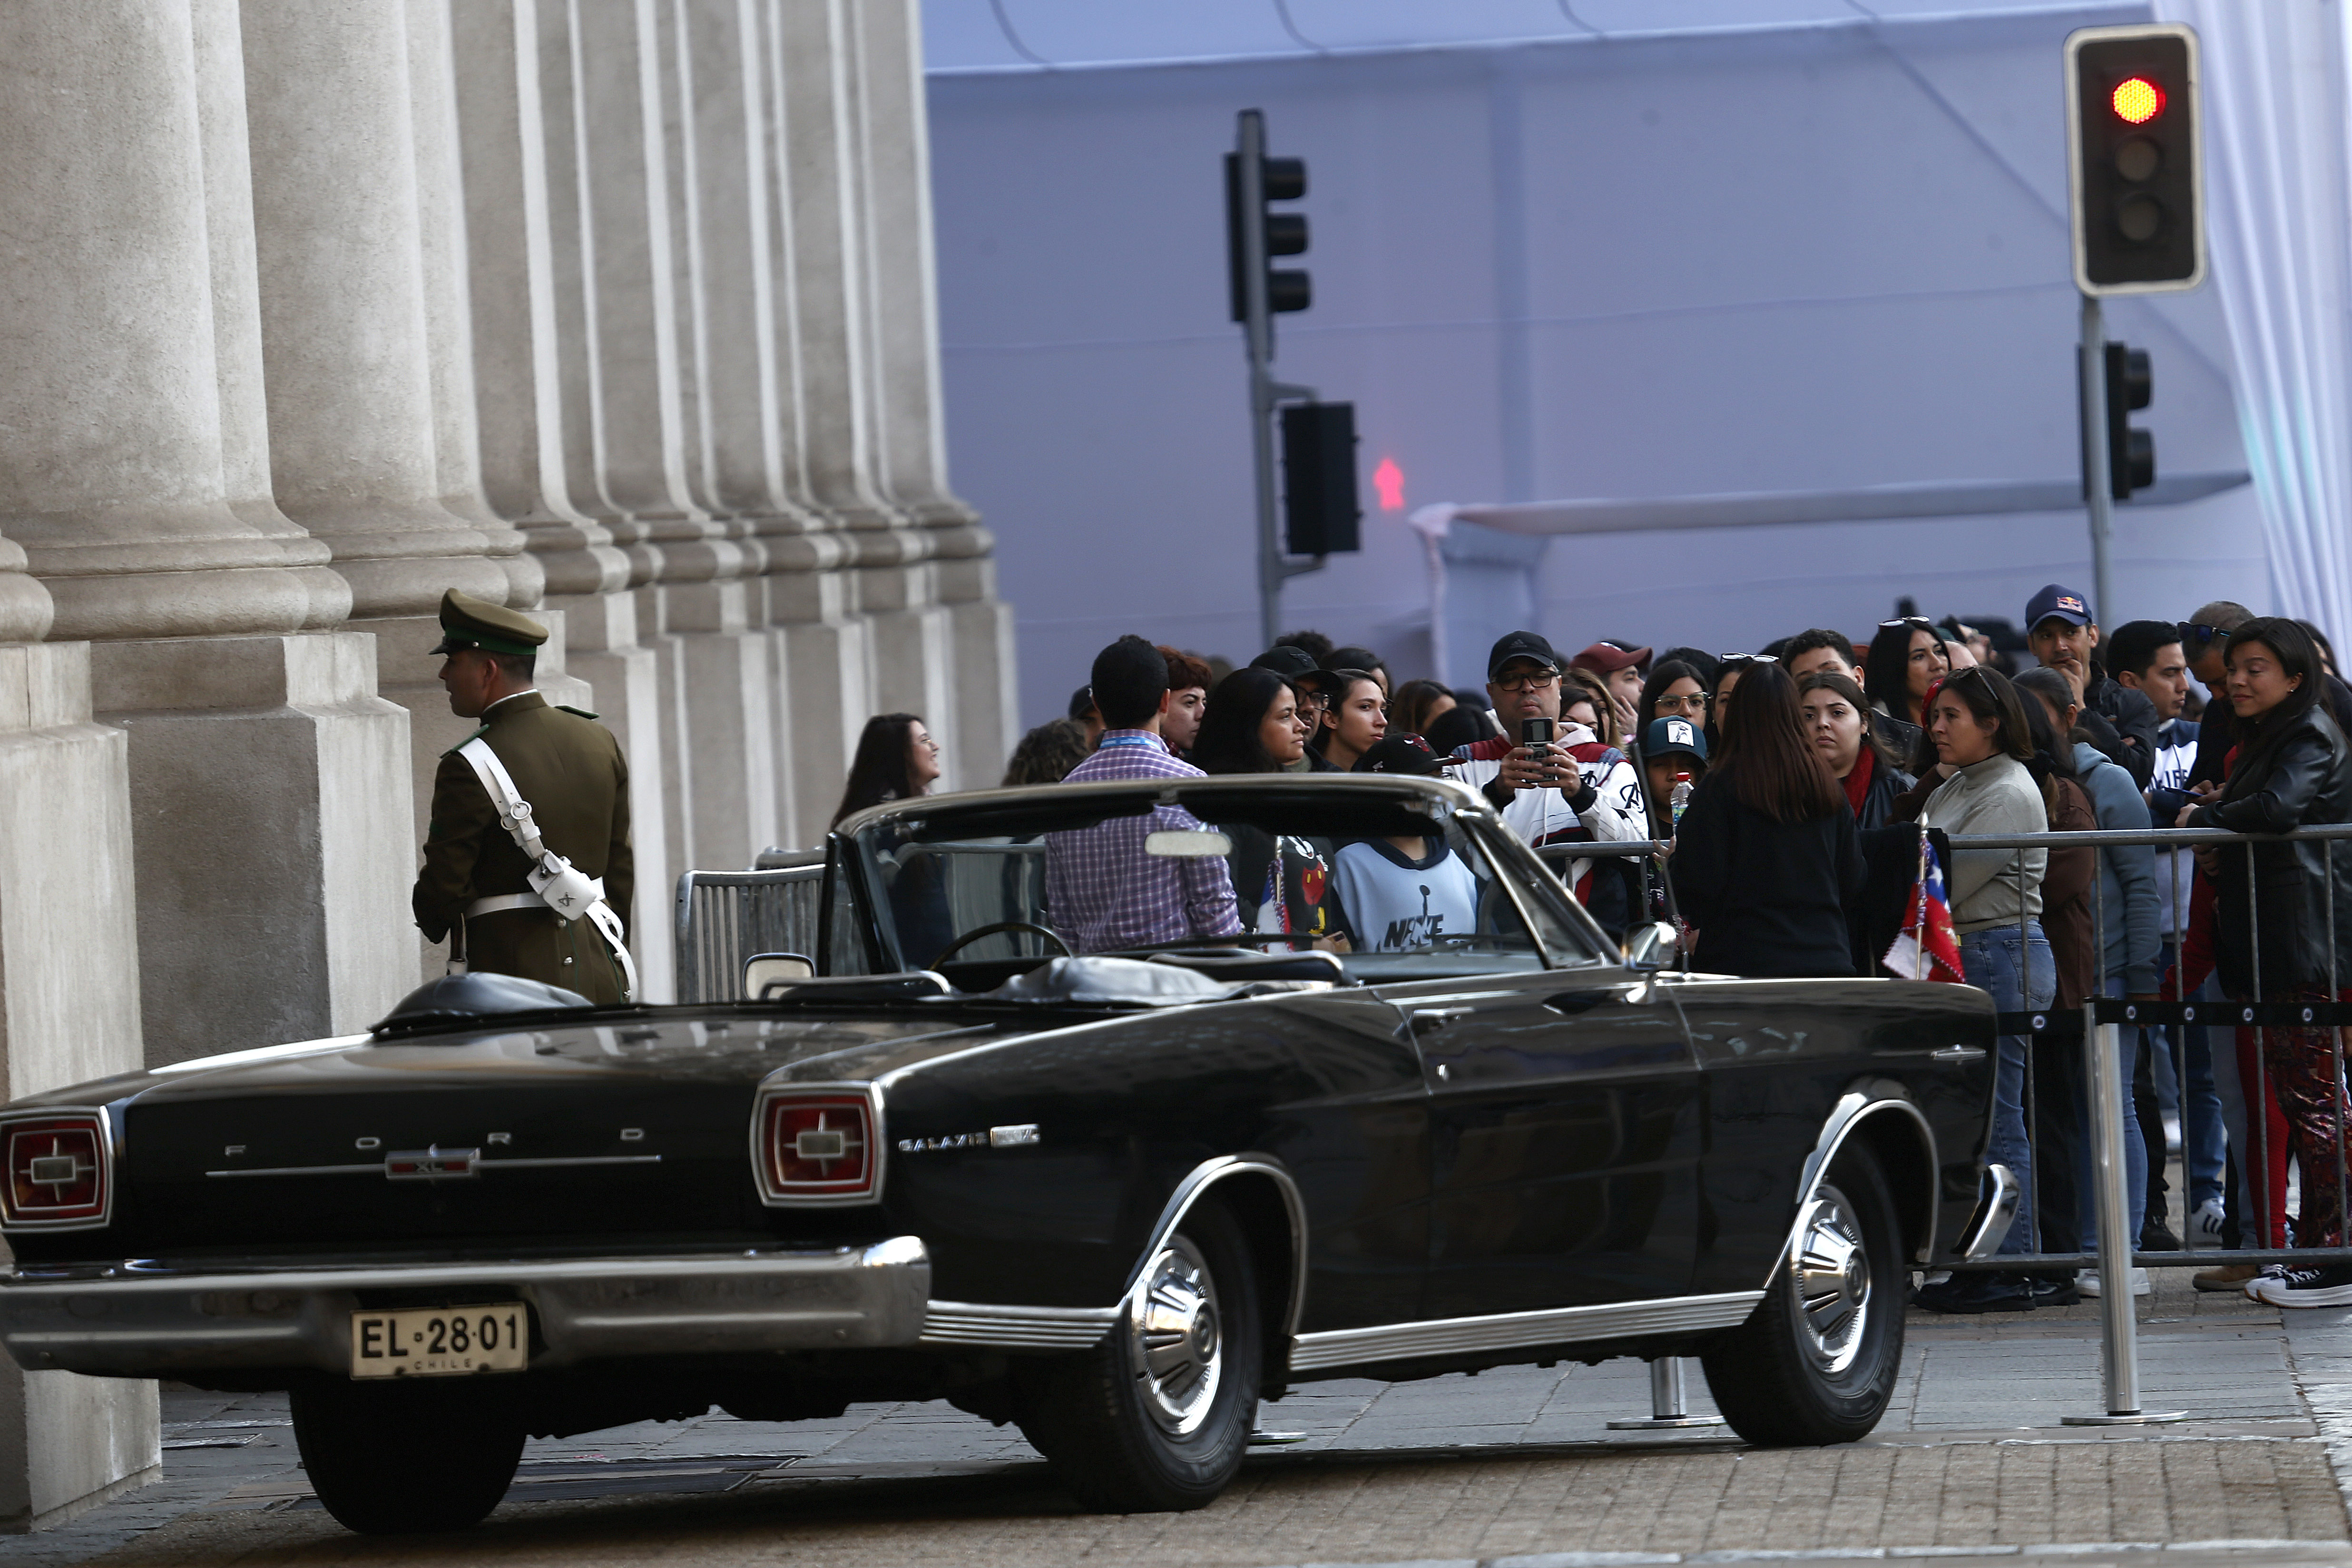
[237, 311]
[66, 1443]
[110, 464]
[534, 395]
[448, 318]
[346, 343]
[110, 406]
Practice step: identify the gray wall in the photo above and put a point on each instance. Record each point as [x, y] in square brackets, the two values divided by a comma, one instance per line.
[1808, 258]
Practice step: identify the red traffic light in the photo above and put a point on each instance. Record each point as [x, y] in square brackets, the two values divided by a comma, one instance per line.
[2137, 100]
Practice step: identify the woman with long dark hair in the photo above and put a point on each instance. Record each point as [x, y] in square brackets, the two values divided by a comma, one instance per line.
[1674, 691]
[1417, 705]
[1282, 885]
[2272, 936]
[896, 760]
[1905, 658]
[1981, 785]
[1766, 856]
[1837, 721]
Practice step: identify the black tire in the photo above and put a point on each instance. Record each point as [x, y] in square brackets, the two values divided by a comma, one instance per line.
[389, 1458]
[1786, 1378]
[1128, 1431]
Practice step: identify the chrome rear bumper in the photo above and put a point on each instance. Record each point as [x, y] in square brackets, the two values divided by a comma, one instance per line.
[131, 1323]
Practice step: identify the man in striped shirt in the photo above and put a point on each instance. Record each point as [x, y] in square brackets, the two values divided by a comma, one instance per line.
[1103, 891]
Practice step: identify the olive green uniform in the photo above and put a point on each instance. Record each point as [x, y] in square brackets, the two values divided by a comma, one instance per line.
[571, 770]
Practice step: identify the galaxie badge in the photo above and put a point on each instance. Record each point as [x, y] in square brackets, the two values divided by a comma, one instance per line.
[1012, 1137]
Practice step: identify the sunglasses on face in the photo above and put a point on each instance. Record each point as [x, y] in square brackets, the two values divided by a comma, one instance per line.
[2193, 635]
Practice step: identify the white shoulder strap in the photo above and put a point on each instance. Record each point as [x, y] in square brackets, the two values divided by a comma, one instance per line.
[553, 869]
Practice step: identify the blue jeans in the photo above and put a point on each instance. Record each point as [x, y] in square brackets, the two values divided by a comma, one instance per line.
[2017, 969]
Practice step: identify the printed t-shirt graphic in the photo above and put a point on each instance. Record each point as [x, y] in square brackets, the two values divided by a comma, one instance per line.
[1394, 903]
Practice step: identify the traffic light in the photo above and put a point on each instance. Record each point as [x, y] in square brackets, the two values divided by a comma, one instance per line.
[2131, 452]
[1318, 479]
[2136, 179]
[1248, 218]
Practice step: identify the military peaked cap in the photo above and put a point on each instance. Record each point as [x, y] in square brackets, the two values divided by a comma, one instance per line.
[468, 623]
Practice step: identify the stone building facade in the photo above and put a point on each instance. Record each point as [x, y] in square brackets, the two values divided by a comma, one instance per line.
[618, 311]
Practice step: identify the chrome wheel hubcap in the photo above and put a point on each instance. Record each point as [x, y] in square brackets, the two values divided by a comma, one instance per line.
[1175, 1338]
[1829, 1272]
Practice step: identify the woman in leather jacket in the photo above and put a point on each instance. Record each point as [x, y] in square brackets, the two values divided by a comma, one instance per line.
[2273, 938]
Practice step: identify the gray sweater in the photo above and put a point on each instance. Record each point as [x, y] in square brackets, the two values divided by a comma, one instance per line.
[1994, 796]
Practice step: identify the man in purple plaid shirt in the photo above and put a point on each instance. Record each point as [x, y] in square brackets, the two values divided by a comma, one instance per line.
[1103, 892]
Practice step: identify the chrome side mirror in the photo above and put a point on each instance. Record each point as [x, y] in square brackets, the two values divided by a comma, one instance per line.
[766, 970]
[1649, 946]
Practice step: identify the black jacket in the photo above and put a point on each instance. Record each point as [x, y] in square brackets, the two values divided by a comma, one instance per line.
[1769, 897]
[1886, 786]
[2307, 783]
[1900, 736]
[2217, 732]
[2132, 719]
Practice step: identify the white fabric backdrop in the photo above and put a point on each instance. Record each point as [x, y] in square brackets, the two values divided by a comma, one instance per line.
[2278, 190]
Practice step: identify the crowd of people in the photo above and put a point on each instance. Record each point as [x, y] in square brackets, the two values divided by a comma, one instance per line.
[1780, 808]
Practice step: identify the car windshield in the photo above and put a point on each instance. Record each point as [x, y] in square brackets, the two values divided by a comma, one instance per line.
[1397, 879]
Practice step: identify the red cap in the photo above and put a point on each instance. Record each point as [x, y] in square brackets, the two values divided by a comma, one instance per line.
[1608, 658]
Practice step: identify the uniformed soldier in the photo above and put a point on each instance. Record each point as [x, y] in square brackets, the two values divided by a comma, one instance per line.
[571, 770]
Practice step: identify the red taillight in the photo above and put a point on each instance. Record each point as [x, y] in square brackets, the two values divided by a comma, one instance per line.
[60, 1172]
[818, 1145]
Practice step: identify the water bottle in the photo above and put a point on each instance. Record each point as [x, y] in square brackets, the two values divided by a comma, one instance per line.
[1681, 796]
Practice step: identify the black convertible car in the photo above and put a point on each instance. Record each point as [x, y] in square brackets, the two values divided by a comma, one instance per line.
[1117, 1198]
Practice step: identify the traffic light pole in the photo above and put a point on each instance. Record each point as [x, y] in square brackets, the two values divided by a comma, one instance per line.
[2098, 483]
[1266, 394]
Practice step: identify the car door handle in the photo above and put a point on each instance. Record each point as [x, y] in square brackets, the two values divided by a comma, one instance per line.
[1436, 1017]
[1957, 1054]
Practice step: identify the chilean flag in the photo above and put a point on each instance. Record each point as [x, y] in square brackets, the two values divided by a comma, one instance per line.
[1929, 948]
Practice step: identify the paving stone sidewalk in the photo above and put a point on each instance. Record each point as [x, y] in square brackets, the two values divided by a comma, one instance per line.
[1513, 1468]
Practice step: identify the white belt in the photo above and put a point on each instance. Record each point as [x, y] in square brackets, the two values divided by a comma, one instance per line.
[502, 903]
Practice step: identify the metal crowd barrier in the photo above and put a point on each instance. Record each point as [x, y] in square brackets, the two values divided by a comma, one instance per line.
[727, 917]
[2100, 1023]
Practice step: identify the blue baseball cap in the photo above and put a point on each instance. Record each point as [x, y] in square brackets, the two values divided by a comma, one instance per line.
[1665, 735]
[2063, 602]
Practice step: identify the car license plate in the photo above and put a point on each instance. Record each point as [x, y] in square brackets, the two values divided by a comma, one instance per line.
[441, 1341]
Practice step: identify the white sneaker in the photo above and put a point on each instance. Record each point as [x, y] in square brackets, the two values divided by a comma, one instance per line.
[2205, 1226]
[2087, 1282]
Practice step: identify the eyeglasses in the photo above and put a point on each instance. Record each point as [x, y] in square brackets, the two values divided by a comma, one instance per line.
[1666, 707]
[1542, 683]
[2194, 635]
[1916, 623]
[1745, 659]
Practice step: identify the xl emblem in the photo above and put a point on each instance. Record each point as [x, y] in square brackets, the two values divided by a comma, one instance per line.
[432, 1164]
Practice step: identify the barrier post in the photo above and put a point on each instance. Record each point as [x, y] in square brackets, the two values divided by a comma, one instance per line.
[2118, 1318]
[1669, 1405]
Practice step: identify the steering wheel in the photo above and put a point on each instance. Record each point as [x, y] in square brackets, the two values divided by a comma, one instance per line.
[999, 929]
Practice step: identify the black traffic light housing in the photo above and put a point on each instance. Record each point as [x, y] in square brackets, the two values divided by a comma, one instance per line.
[1318, 479]
[1279, 180]
[2136, 178]
[2131, 452]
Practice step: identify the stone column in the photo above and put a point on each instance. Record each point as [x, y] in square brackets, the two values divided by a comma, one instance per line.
[237, 311]
[110, 403]
[525, 266]
[448, 316]
[346, 343]
[69, 1012]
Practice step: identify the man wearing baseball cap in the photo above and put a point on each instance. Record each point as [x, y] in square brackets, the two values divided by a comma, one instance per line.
[1621, 671]
[1575, 788]
[2060, 630]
